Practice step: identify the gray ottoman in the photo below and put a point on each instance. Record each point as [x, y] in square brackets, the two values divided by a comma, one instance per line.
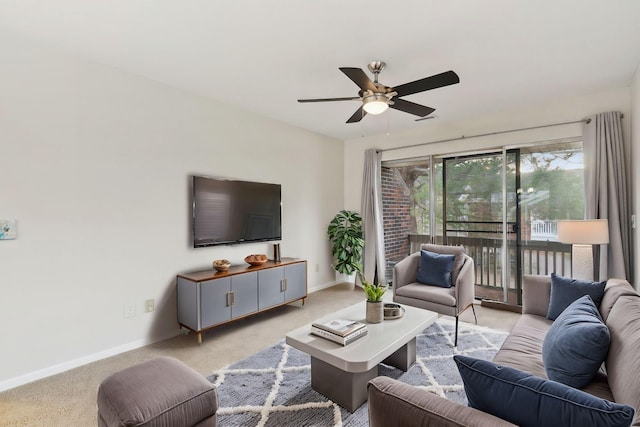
[160, 392]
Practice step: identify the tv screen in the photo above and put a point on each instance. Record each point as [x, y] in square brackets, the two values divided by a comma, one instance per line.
[227, 211]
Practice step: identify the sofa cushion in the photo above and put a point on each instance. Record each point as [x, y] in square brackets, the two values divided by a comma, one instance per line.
[523, 347]
[435, 269]
[576, 344]
[458, 251]
[527, 400]
[536, 293]
[565, 290]
[623, 361]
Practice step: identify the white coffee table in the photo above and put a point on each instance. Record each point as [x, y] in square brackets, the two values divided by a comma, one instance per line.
[342, 372]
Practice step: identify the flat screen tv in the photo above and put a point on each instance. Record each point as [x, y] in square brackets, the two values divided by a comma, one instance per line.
[227, 212]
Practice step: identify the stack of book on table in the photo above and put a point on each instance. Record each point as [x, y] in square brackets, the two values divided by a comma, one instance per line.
[342, 331]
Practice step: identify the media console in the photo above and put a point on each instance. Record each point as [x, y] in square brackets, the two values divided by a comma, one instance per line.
[210, 298]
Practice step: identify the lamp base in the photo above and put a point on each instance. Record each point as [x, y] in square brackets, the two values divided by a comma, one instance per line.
[582, 262]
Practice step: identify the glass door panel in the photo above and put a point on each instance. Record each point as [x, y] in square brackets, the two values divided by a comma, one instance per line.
[552, 189]
[477, 215]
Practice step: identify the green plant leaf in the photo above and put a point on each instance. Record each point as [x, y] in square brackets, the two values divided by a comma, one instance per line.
[346, 237]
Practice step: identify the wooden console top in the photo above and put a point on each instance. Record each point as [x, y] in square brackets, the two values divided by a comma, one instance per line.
[202, 275]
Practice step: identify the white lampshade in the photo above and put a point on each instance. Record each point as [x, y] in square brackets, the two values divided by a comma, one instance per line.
[584, 232]
[375, 104]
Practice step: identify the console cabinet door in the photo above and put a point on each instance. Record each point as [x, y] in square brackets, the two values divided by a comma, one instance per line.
[270, 287]
[296, 281]
[245, 294]
[215, 304]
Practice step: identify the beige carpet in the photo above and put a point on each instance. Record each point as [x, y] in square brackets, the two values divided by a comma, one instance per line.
[69, 399]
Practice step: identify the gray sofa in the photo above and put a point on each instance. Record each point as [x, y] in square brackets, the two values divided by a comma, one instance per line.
[392, 403]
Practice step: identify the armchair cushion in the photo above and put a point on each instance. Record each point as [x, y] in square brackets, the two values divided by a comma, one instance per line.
[434, 294]
[565, 290]
[527, 400]
[576, 344]
[435, 269]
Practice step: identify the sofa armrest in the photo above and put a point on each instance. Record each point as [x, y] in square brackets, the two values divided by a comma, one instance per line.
[406, 271]
[393, 403]
[536, 293]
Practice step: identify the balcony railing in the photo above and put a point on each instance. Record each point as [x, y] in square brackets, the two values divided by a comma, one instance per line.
[537, 257]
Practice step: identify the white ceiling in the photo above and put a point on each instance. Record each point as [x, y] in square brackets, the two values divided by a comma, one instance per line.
[262, 55]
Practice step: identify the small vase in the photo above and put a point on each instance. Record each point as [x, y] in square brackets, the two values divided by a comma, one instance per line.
[375, 311]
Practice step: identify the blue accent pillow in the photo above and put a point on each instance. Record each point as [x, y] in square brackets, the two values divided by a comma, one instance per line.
[576, 344]
[565, 290]
[527, 400]
[435, 269]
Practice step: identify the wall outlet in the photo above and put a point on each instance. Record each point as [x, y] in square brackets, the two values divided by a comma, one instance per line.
[149, 305]
[317, 268]
[129, 310]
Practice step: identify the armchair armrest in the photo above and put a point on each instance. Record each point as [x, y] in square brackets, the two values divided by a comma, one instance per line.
[465, 284]
[406, 271]
[396, 404]
[536, 293]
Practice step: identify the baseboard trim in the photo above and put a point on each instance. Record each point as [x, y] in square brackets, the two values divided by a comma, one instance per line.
[76, 363]
[322, 286]
[499, 305]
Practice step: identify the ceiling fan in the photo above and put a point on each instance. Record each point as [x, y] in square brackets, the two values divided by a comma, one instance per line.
[376, 97]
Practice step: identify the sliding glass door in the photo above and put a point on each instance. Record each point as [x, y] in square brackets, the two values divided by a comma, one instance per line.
[480, 212]
[501, 206]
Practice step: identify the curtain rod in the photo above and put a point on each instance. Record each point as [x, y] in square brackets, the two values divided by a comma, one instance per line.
[587, 121]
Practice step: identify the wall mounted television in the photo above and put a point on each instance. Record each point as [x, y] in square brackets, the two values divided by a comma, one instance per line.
[227, 211]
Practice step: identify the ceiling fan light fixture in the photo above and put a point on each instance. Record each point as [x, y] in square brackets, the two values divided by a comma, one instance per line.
[375, 104]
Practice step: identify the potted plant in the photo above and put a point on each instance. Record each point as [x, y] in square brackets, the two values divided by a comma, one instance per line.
[375, 306]
[347, 242]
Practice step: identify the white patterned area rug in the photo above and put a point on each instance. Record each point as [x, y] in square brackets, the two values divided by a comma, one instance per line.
[273, 386]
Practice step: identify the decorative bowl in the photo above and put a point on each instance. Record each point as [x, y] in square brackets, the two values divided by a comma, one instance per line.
[393, 311]
[221, 264]
[255, 259]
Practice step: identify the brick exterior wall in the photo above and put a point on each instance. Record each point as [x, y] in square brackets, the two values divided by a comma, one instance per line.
[396, 205]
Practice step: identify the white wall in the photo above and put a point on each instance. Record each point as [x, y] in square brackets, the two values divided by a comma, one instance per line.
[95, 169]
[560, 111]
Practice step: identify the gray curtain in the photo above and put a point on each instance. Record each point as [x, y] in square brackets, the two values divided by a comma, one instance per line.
[606, 190]
[373, 256]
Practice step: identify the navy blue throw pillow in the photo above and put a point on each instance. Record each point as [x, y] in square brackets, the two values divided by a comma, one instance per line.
[565, 290]
[530, 401]
[435, 269]
[576, 344]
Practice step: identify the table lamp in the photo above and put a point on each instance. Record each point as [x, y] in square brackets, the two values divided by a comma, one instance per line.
[583, 234]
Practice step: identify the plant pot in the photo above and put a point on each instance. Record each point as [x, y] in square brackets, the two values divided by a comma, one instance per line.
[345, 278]
[375, 311]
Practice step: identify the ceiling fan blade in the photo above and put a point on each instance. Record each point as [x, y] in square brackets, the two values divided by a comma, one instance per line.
[357, 116]
[439, 80]
[351, 98]
[360, 78]
[411, 107]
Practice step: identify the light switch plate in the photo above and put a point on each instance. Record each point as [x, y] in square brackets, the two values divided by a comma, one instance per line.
[8, 229]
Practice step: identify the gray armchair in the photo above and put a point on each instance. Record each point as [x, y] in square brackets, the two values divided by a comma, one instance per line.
[447, 301]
